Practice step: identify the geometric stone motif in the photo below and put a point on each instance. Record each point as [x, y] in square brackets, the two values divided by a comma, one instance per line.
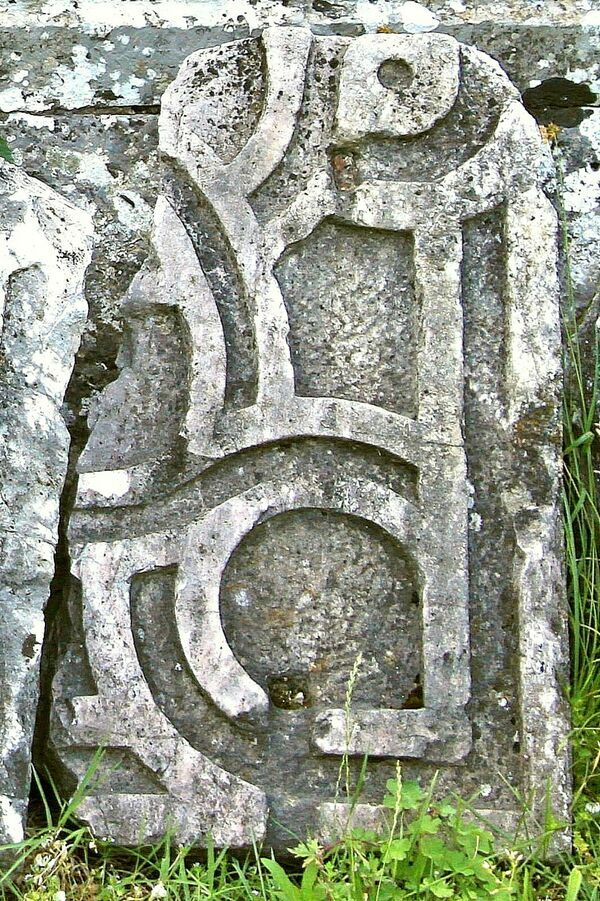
[335, 432]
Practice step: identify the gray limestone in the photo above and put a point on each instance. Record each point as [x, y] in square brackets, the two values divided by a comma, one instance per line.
[83, 116]
[45, 246]
[334, 437]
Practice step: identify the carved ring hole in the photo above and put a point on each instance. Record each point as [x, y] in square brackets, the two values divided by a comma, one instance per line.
[289, 691]
[396, 75]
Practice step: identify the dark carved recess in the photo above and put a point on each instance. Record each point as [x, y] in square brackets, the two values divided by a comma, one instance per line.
[494, 651]
[372, 360]
[561, 101]
[220, 269]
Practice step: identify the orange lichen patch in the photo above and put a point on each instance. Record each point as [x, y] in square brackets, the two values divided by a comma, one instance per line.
[550, 132]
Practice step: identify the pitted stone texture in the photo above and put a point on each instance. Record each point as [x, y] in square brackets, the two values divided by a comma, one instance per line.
[92, 16]
[296, 468]
[119, 58]
[45, 246]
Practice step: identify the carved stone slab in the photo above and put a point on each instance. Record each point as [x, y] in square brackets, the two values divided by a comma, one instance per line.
[335, 436]
[45, 246]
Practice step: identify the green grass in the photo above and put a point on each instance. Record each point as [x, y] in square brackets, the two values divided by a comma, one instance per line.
[428, 849]
[582, 547]
[5, 151]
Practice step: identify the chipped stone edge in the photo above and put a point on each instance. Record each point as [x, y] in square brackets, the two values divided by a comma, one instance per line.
[32, 532]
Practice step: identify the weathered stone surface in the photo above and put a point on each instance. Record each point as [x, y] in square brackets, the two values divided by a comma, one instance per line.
[90, 130]
[93, 16]
[334, 432]
[45, 246]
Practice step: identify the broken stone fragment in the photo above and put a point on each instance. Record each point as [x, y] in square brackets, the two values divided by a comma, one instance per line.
[334, 435]
[45, 247]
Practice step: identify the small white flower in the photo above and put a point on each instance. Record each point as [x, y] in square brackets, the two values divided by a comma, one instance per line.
[159, 891]
[59, 896]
